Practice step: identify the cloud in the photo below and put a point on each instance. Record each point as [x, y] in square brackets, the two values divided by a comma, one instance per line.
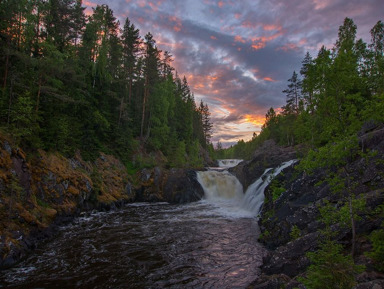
[238, 55]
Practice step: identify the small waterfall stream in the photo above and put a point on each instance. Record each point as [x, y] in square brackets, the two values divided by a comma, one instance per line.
[228, 163]
[224, 189]
[254, 196]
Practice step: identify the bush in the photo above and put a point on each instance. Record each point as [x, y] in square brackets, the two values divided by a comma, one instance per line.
[277, 190]
[377, 253]
[330, 268]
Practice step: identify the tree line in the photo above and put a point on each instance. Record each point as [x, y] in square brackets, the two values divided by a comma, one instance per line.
[331, 97]
[75, 82]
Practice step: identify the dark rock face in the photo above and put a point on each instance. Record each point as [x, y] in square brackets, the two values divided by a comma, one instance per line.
[298, 208]
[182, 187]
[269, 155]
[173, 186]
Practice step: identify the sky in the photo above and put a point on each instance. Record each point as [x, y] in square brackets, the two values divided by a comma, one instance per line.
[238, 55]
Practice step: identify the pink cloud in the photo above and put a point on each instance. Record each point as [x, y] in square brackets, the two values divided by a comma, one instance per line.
[269, 79]
[258, 45]
[89, 3]
[288, 46]
[238, 38]
[178, 24]
[271, 27]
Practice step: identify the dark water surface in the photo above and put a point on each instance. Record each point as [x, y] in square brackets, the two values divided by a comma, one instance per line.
[199, 245]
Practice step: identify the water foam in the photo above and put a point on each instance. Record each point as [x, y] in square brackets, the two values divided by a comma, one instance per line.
[224, 191]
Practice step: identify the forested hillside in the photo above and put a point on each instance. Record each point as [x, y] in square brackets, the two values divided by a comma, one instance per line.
[74, 82]
[330, 98]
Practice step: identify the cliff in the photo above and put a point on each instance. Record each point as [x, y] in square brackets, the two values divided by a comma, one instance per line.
[291, 225]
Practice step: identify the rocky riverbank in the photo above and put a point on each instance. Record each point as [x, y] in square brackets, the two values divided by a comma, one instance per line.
[41, 190]
[290, 223]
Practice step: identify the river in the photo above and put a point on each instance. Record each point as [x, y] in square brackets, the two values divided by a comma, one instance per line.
[199, 245]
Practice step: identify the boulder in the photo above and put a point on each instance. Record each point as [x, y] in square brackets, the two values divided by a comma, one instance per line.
[182, 186]
[174, 186]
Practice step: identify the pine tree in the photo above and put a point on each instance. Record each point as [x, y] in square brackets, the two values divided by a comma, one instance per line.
[377, 64]
[206, 121]
[293, 94]
[151, 75]
[307, 71]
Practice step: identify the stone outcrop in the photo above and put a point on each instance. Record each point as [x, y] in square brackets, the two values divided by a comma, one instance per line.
[269, 155]
[172, 186]
[298, 209]
[182, 186]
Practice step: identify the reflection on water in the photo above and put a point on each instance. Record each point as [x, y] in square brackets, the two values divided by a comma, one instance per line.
[199, 245]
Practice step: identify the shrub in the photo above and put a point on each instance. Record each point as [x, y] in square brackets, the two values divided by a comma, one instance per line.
[377, 253]
[330, 268]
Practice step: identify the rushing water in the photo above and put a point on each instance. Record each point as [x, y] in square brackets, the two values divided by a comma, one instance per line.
[199, 245]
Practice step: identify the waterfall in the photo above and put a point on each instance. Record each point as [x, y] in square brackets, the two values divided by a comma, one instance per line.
[223, 187]
[228, 163]
[254, 196]
[220, 185]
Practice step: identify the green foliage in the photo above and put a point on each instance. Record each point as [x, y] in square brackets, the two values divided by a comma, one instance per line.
[131, 168]
[276, 189]
[142, 161]
[178, 159]
[377, 253]
[264, 235]
[295, 233]
[330, 155]
[42, 203]
[23, 122]
[330, 268]
[195, 160]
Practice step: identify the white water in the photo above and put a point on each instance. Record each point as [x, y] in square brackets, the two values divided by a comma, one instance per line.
[224, 190]
[228, 163]
[254, 196]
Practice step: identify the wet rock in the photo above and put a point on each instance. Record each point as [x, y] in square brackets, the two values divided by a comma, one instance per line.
[129, 191]
[289, 259]
[269, 155]
[7, 147]
[182, 187]
[276, 281]
[376, 284]
[20, 169]
[173, 186]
